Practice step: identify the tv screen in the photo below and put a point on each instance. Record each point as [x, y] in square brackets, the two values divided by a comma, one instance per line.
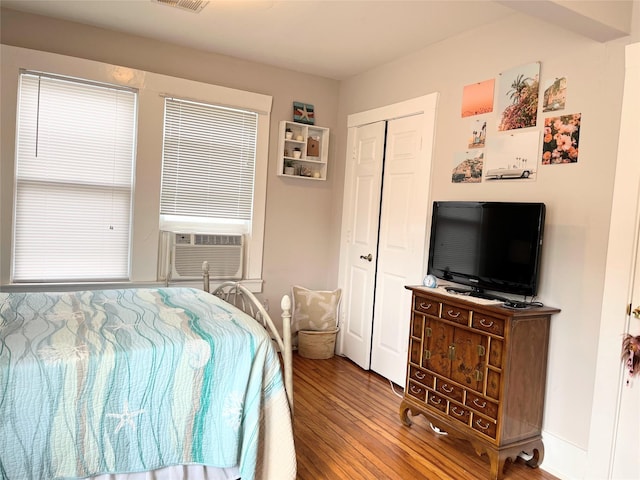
[487, 245]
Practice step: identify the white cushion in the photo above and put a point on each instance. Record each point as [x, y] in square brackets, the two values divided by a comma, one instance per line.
[315, 310]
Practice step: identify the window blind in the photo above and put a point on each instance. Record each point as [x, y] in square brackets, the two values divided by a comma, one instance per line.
[74, 164]
[208, 165]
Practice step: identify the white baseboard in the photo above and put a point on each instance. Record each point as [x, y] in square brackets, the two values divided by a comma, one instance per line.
[562, 458]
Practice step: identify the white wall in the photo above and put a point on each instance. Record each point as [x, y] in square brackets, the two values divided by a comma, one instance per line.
[578, 196]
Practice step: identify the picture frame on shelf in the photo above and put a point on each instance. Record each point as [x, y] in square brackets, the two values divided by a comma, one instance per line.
[303, 113]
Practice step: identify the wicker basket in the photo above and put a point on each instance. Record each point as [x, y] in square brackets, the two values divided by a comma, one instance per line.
[317, 344]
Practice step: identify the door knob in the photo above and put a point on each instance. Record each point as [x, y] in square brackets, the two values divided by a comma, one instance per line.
[636, 312]
[368, 258]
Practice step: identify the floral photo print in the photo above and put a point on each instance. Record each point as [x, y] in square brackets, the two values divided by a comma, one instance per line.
[518, 97]
[560, 139]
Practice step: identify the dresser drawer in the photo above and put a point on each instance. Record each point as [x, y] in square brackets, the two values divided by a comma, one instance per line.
[417, 391]
[426, 305]
[482, 405]
[448, 389]
[416, 350]
[459, 413]
[493, 384]
[420, 376]
[417, 323]
[436, 401]
[488, 324]
[455, 314]
[495, 353]
[484, 426]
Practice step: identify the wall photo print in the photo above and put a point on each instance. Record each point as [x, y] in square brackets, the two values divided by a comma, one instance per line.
[555, 95]
[303, 113]
[561, 138]
[477, 98]
[477, 134]
[512, 157]
[517, 100]
[467, 167]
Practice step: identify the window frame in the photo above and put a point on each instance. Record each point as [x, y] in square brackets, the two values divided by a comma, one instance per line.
[89, 180]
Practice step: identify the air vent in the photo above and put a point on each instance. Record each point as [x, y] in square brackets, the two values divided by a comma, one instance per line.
[190, 5]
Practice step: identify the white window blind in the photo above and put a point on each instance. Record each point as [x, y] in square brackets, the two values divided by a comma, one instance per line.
[74, 164]
[208, 166]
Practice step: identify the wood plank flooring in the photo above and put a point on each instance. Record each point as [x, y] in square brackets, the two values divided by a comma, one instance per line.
[347, 426]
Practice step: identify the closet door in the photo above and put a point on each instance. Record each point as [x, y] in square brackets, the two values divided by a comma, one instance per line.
[401, 243]
[382, 243]
[359, 239]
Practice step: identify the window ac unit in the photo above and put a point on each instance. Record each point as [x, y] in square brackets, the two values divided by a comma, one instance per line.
[184, 253]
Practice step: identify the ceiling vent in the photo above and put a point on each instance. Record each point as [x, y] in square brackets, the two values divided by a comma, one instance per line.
[190, 5]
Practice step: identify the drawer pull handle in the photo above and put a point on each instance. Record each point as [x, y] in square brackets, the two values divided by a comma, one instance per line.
[435, 400]
[416, 389]
[481, 350]
[484, 323]
[427, 354]
[483, 427]
[479, 404]
[447, 388]
[420, 375]
[455, 411]
[453, 313]
[452, 352]
[425, 306]
[428, 331]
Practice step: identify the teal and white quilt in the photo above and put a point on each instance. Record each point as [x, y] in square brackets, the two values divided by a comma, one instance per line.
[130, 380]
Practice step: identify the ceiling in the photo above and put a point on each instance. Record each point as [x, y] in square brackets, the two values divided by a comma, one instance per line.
[331, 38]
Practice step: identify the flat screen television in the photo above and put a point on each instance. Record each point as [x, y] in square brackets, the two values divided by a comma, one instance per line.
[492, 246]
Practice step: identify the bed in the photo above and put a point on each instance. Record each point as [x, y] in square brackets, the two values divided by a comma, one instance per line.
[128, 384]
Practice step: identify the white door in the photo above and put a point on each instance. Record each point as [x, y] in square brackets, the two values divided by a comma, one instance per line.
[626, 452]
[401, 244]
[360, 238]
[614, 443]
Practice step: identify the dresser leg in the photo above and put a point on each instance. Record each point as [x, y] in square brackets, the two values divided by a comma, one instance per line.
[537, 451]
[404, 410]
[497, 465]
[499, 458]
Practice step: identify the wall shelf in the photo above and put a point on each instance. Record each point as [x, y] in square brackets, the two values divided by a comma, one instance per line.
[313, 144]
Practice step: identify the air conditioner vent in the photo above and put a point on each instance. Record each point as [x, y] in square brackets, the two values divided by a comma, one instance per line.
[201, 239]
[190, 5]
[182, 255]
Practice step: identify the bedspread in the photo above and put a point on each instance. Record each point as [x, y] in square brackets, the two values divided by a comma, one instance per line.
[114, 381]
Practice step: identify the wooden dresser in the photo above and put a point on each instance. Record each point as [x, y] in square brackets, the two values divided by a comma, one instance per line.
[477, 372]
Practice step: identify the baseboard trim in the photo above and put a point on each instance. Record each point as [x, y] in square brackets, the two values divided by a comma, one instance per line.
[562, 458]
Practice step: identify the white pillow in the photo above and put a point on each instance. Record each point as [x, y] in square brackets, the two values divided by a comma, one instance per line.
[315, 310]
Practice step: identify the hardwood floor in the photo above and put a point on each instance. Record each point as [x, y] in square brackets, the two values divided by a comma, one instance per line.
[347, 426]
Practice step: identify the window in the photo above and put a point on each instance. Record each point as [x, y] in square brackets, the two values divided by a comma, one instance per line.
[74, 163]
[208, 167]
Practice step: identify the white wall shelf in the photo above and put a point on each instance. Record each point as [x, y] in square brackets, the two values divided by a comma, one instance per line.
[313, 144]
